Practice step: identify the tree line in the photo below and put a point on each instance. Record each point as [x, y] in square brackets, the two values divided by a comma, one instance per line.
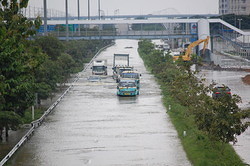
[36, 66]
[207, 121]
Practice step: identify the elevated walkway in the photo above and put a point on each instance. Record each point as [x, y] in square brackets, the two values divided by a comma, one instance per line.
[234, 38]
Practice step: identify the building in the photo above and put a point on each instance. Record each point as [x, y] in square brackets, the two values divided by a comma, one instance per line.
[237, 7]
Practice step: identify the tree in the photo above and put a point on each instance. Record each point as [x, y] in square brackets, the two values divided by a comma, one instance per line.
[67, 63]
[9, 120]
[221, 119]
[17, 65]
[51, 46]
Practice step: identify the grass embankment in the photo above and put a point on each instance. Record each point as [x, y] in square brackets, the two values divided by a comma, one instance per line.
[200, 148]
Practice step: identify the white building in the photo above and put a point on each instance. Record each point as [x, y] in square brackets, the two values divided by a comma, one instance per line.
[237, 7]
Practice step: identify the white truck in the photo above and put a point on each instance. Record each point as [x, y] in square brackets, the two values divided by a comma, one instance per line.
[120, 64]
[99, 67]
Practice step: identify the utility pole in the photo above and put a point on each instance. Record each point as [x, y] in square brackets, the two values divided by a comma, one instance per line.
[78, 4]
[79, 27]
[45, 16]
[88, 10]
[67, 23]
[99, 9]
[240, 19]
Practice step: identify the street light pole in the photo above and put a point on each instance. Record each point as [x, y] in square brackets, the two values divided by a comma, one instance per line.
[116, 12]
[99, 9]
[78, 7]
[239, 22]
[45, 16]
[88, 10]
[79, 26]
[67, 23]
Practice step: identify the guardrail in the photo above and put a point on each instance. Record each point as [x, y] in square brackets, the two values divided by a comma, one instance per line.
[35, 124]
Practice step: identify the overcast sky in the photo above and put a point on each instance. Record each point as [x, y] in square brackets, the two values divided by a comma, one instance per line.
[128, 7]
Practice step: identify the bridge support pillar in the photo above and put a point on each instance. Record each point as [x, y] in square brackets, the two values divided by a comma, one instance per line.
[203, 32]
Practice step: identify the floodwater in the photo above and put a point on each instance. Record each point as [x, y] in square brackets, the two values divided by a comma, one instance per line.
[233, 79]
[14, 137]
[93, 126]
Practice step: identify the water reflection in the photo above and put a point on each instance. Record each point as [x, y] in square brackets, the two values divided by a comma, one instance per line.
[127, 99]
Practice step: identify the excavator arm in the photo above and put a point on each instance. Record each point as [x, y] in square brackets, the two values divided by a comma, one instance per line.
[187, 57]
[205, 45]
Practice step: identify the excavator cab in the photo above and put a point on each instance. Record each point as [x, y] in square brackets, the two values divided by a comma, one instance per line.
[188, 51]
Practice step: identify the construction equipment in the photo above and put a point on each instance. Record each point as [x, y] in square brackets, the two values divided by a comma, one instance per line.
[186, 56]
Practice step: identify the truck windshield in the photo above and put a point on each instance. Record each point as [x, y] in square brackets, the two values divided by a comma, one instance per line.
[98, 68]
[130, 75]
[127, 84]
[125, 69]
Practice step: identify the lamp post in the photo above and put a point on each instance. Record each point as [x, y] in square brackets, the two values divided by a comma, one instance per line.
[102, 14]
[45, 16]
[67, 23]
[99, 9]
[239, 22]
[88, 10]
[78, 7]
[116, 12]
[79, 26]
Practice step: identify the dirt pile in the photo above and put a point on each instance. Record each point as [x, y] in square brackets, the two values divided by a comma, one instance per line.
[246, 79]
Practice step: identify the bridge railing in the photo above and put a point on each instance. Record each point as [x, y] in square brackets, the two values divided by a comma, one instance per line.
[239, 39]
[89, 33]
[230, 33]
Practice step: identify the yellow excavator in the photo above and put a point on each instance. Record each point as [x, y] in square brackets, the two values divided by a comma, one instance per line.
[188, 51]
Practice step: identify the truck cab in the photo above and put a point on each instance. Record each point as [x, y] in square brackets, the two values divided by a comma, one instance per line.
[99, 67]
[127, 87]
[117, 70]
[133, 75]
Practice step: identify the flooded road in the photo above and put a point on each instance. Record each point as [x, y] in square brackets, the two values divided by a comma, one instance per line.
[93, 126]
[233, 80]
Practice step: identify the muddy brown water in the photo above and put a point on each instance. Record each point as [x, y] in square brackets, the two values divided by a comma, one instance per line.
[93, 126]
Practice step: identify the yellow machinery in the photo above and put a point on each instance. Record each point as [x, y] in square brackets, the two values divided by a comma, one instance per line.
[186, 56]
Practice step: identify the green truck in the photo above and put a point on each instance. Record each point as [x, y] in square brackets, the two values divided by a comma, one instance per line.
[133, 75]
[127, 87]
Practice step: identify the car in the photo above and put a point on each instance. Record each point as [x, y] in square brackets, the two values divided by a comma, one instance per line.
[220, 91]
[129, 47]
[94, 78]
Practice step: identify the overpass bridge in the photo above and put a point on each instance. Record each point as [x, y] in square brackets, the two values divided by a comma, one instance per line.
[148, 16]
[188, 29]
